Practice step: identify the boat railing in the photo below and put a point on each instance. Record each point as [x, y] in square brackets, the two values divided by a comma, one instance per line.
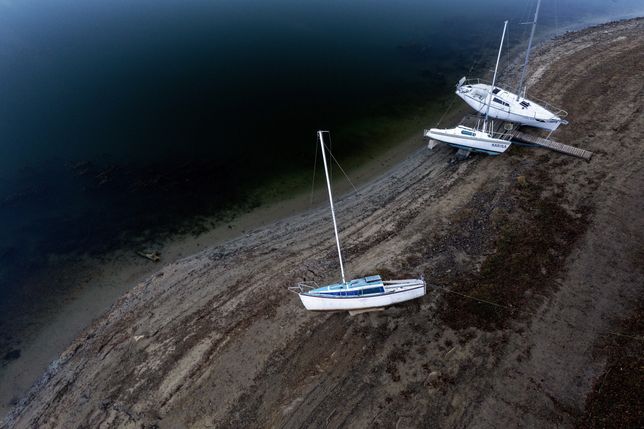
[474, 81]
[557, 111]
[497, 135]
[404, 282]
[497, 129]
[303, 287]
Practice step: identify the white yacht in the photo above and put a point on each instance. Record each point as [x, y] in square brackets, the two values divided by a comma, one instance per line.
[509, 106]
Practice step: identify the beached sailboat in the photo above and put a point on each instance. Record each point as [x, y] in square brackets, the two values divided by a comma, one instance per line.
[366, 293]
[479, 139]
[470, 139]
[508, 106]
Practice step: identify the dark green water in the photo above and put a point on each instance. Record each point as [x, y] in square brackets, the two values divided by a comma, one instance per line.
[122, 118]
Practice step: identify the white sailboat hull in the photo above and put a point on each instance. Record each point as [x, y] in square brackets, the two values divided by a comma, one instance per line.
[505, 106]
[362, 293]
[396, 291]
[469, 139]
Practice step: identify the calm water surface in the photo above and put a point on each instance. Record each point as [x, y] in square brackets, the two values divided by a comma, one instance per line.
[121, 117]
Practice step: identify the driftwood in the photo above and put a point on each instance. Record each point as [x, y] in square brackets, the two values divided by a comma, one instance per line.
[152, 256]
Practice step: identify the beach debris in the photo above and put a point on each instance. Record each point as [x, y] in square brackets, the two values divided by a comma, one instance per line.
[433, 376]
[153, 256]
[450, 351]
[138, 337]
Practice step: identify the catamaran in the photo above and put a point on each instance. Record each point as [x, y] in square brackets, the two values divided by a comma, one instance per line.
[366, 293]
[479, 139]
[508, 106]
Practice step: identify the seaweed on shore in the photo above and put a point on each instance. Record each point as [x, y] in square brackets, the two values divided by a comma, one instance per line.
[526, 255]
[616, 400]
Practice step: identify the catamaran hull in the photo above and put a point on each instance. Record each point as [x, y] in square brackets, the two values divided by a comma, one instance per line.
[490, 146]
[393, 295]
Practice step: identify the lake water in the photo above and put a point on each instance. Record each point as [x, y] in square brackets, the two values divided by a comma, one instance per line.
[121, 118]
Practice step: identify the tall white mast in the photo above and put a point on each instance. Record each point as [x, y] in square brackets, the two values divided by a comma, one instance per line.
[527, 53]
[328, 184]
[496, 68]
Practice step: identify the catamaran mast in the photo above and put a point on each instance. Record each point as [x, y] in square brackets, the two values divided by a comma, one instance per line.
[527, 53]
[328, 184]
[496, 68]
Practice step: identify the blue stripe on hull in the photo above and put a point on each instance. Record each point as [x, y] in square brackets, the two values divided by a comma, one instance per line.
[363, 296]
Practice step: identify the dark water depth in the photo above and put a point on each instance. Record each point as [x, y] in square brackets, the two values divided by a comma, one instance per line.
[119, 119]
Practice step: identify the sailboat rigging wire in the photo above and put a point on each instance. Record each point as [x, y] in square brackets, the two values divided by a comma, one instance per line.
[451, 104]
[522, 20]
[489, 95]
[532, 313]
[475, 63]
[341, 169]
[328, 148]
[446, 111]
[472, 297]
[556, 17]
[507, 49]
[527, 52]
[315, 165]
[549, 134]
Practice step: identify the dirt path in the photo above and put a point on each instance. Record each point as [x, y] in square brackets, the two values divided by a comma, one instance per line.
[216, 339]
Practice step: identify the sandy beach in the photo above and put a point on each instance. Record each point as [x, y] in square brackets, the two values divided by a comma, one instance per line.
[534, 260]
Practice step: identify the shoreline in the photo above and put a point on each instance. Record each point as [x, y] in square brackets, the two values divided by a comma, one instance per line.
[98, 282]
[259, 218]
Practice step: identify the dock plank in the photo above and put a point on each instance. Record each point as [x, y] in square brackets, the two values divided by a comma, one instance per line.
[553, 145]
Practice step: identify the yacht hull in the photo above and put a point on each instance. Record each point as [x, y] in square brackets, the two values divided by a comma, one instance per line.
[508, 107]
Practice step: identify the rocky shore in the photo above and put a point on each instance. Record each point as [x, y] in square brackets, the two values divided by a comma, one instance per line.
[535, 260]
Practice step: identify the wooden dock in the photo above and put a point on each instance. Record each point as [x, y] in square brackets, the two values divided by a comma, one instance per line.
[553, 145]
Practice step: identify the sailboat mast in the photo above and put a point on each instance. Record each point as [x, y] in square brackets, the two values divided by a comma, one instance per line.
[496, 68]
[527, 53]
[328, 184]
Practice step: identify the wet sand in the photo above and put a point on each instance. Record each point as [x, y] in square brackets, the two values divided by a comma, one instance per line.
[216, 340]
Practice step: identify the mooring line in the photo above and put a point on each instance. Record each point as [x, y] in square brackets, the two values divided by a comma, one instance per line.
[514, 309]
